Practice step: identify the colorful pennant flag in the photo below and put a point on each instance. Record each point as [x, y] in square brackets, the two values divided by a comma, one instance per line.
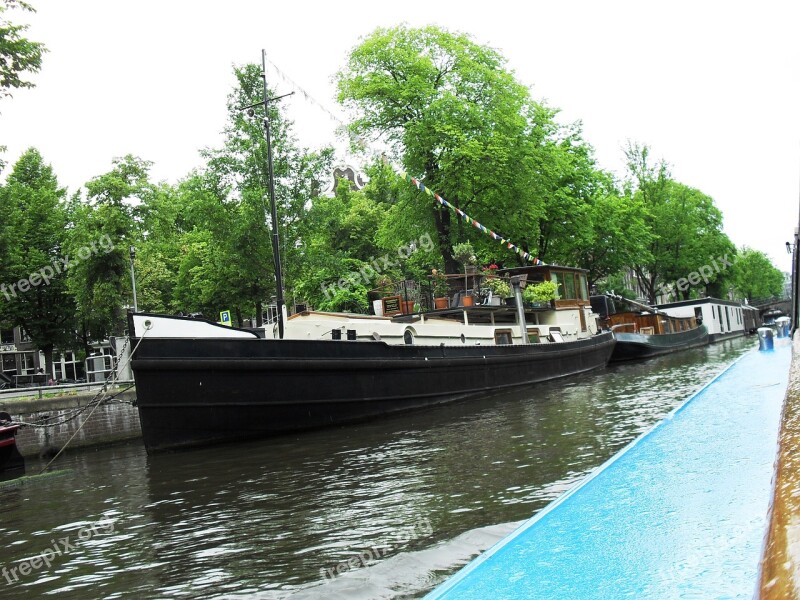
[467, 219]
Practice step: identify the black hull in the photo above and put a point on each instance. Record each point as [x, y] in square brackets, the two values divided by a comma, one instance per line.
[634, 346]
[194, 392]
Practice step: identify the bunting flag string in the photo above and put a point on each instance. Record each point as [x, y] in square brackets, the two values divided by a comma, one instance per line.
[467, 219]
[461, 214]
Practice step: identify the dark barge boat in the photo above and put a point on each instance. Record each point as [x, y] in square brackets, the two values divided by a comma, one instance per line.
[200, 383]
[648, 332]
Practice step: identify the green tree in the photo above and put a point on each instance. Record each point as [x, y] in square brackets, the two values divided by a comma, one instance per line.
[33, 231]
[18, 55]
[239, 169]
[166, 218]
[609, 234]
[453, 114]
[755, 277]
[104, 226]
[685, 227]
[340, 244]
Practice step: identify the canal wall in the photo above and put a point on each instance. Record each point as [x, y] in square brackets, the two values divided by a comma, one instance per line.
[117, 421]
[780, 566]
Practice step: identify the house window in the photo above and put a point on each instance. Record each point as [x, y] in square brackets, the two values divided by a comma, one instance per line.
[9, 364]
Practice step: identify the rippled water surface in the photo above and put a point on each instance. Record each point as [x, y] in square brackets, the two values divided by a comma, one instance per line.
[386, 509]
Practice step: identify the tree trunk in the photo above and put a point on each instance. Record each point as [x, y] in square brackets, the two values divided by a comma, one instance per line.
[442, 218]
[443, 221]
[47, 350]
[259, 314]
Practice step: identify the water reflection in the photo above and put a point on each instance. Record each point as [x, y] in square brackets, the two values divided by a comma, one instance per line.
[418, 493]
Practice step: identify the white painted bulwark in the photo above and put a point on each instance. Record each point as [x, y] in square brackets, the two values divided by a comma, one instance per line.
[183, 327]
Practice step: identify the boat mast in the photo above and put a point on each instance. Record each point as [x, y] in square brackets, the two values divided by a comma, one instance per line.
[276, 255]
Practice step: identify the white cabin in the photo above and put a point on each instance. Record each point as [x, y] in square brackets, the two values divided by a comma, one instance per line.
[723, 318]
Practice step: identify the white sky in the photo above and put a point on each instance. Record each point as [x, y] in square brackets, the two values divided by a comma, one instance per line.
[712, 87]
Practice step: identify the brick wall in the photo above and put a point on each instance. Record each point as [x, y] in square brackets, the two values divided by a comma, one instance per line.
[109, 423]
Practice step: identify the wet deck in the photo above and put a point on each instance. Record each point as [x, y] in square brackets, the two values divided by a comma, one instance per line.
[680, 512]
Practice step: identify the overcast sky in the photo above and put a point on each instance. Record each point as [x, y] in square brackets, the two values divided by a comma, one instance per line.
[712, 87]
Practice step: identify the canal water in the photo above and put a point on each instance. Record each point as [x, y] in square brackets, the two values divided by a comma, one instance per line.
[386, 509]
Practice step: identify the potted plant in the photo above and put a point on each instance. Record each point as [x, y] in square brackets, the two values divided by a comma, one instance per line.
[439, 285]
[377, 295]
[539, 293]
[465, 254]
[499, 287]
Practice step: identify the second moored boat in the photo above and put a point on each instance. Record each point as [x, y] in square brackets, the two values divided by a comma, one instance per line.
[647, 332]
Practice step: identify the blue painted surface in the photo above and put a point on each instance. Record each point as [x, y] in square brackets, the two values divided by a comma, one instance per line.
[679, 513]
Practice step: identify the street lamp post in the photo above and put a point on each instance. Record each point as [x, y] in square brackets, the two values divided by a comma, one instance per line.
[133, 279]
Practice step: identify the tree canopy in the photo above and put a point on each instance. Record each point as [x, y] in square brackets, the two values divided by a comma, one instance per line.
[755, 277]
[34, 260]
[684, 224]
[18, 55]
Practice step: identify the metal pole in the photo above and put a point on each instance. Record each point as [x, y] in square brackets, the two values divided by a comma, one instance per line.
[273, 209]
[133, 280]
[523, 325]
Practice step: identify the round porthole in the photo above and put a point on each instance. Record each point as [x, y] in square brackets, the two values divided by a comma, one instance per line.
[408, 337]
[463, 339]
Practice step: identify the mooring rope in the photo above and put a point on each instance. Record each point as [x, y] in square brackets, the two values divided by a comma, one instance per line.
[48, 422]
[98, 403]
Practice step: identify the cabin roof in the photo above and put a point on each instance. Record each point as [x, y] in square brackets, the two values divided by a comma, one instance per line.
[698, 301]
[540, 268]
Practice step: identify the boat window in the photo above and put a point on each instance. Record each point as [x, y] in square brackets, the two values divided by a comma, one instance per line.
[408, 337]
[463, 339]
[556, 278]
[582, 287]
[502, 337]
[533, 335]
[569, 286]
